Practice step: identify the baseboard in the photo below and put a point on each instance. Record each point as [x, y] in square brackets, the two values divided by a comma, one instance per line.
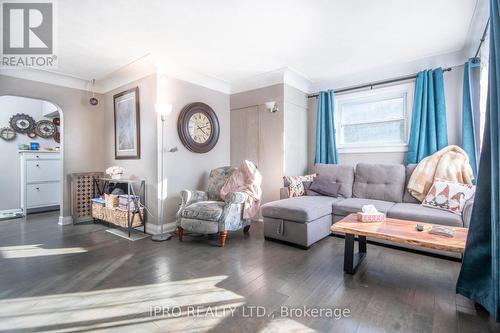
[155, 229]
[65, 220]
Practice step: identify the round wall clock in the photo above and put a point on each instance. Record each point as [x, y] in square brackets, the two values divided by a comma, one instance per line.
[7, 133]
[198, 127]
[45, 129]
[22, 123]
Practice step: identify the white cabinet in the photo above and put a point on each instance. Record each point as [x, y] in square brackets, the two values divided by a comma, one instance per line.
[40, 180]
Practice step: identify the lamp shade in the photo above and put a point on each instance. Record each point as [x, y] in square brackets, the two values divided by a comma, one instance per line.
[163, 109]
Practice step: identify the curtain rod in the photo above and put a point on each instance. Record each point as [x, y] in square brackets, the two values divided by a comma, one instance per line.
[483, 37]
[377, 83]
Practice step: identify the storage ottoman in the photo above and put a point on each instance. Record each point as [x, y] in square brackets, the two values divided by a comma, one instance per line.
[302, 220]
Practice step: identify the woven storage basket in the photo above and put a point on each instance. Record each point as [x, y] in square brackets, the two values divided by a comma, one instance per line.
[109, 215]
[98, 210]
[120, 217]
[111, 200]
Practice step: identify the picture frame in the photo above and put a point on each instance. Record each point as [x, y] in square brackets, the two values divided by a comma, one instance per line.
[127, 125]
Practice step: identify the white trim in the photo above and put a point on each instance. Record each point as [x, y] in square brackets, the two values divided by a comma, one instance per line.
[65, 220]
[45, 76]
[283, 75]
[452, 59]
[297, 80]
[404, 89]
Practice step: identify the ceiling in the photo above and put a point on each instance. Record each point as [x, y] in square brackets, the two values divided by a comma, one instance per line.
[231, 40]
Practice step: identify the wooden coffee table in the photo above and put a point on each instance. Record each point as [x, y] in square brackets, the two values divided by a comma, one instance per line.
[399, 231]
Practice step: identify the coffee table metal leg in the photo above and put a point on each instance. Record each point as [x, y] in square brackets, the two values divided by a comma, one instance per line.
[351, 259]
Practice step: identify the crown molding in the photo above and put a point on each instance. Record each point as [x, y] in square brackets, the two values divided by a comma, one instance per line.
[453, 59]
[45, 76]
[283, 75]
[476, 27]
[191, 76]
[137, 69]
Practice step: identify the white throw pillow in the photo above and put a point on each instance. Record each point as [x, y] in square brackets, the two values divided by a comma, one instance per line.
[448, 196]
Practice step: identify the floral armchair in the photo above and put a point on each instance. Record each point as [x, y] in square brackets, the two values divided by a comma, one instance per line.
[205, 212]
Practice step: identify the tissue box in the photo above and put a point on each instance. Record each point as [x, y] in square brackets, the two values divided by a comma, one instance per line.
[371, 217]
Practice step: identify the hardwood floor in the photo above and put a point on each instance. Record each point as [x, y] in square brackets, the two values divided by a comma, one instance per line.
[82, 278]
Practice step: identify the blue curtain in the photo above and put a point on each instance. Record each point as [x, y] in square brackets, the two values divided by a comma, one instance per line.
[326, 149]
[428, 131]
[470, 112]
[479, 276]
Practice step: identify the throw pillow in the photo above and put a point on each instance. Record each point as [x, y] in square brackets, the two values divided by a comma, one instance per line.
[325, 186]
[307, 188]
[448, 196]
[294, 184]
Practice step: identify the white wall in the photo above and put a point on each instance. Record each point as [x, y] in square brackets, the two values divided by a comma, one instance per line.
[453, 82]
[9, 168]
[83, 126]
[271, 148]
[183, 169]
[296, 131]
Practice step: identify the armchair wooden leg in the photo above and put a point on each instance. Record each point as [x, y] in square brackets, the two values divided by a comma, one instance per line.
[180, 232]
[223, 235]
[246, 229]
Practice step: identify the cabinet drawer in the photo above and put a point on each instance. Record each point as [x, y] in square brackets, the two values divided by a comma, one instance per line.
[46, 194]
[42, 171]
[41, 156]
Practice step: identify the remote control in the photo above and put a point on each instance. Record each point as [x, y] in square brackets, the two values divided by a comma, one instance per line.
[420, 227]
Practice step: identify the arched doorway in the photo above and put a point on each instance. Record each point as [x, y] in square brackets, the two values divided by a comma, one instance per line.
[31, 174]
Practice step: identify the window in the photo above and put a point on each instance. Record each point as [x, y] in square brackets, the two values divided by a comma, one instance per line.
[374, 120]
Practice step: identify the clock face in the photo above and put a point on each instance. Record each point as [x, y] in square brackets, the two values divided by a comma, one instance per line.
[200, 128]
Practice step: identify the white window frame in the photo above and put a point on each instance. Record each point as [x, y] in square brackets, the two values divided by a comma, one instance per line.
[404, 90]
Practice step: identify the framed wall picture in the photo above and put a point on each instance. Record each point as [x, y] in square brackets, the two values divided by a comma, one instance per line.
[127, 125]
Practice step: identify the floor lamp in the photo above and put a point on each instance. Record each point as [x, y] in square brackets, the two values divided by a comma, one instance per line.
[163, 110]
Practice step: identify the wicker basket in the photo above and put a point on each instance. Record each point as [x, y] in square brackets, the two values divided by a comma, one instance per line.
[111, 200]
[98, 210]
[109, 215]
[120, 217]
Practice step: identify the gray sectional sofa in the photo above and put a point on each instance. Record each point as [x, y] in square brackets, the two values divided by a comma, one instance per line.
[306, 220]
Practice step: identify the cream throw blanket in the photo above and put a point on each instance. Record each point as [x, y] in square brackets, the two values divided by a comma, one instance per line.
[246, 179]
[450, 163]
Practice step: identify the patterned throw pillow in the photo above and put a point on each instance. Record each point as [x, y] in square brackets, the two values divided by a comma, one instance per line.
[448, 196]
[295, 185]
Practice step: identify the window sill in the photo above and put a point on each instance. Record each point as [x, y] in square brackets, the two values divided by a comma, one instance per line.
[401, 148]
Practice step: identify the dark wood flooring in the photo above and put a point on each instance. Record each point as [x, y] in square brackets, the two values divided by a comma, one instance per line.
[83, 279]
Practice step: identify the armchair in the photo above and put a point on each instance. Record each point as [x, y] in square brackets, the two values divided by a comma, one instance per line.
[206, 213]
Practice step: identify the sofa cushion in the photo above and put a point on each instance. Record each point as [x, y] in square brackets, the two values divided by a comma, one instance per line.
[325, 186]
[354, 205]
[407, 197]
[341, 174]
[204, 210]
[379, 181]
[299, 209]
[417, 212]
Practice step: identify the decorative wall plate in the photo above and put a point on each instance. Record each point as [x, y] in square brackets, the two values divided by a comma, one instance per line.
[22, 123]
[7, 134]
[45, 129]
[198, 127]
[57, 137]
[31, 135]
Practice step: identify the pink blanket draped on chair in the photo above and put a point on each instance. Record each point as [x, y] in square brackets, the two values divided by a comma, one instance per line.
[246, 179]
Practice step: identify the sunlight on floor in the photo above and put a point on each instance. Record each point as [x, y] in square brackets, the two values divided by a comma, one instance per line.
[122, 308]
[286, 325]
[35, 250]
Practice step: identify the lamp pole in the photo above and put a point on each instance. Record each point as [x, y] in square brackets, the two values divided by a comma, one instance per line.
[162, 236]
